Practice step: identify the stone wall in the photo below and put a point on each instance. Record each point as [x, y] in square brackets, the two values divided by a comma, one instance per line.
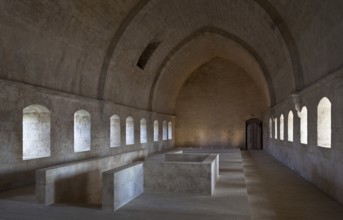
[187, 176]
[214, 104]
[14, 97]
[319, 165]
[79, 182]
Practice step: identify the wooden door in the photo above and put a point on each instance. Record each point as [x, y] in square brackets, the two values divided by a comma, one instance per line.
[254, 134]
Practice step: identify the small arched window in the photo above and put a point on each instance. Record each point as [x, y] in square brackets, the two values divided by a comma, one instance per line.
[270, 128]
[164, 131]
[324, 123]
[303, 125]
[36, 132]
[82, 131]
[290, 126]
[282, 127]
[156, 130]
[275, 127]
[115, 134]
[143, 131]
[130, 131]
[170, 130]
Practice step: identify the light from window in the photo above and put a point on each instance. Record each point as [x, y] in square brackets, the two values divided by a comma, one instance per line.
[170, 130]
[282, 127]
[164, 131]
[270, 128]
[155, 130]
[275, 134]
[303, 125]
[143, 131]
[324, 123]
[36, 132]
[290, 126]
[130, 131]
[82, 131]
[115, 134]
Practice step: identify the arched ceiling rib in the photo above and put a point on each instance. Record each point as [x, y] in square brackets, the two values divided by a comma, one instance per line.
[196, 52]
[264, 4]
[226, 35]
[90, 48]
[112, 46]
[171, 23]
[289, 40]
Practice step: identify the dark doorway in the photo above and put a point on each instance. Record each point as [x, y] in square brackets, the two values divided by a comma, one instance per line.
[253, 134]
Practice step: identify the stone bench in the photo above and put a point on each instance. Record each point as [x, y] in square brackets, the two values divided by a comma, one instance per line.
[79, 182]
[182, 173]
[121, 185]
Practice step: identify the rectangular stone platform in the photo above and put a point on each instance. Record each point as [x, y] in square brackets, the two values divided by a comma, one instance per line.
[79, 182]
[182, 173]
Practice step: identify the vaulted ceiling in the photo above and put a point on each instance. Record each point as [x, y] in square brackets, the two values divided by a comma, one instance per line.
[91, 48]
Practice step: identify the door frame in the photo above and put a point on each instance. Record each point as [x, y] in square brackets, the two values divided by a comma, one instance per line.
[253, 121]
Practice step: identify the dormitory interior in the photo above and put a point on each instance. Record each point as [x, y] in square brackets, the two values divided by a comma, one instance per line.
[82, 79]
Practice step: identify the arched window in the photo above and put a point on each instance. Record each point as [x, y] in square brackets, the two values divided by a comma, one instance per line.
[130, 131]
[303, 125]
[36, 132]
[290, 126]
[164, 131]
[170, 130]
[282, 127]
[324, 123]
[82, 131]
[115, 135]
[270, 128]
[275, 134]
[155, 130]
[143, 131]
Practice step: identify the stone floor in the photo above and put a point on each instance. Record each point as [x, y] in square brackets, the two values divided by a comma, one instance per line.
[252, 186]
[275, 192]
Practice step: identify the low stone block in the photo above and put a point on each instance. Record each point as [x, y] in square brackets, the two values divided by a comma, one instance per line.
[182, 173]
[121, 185]
[45, 194]
[79, 182]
